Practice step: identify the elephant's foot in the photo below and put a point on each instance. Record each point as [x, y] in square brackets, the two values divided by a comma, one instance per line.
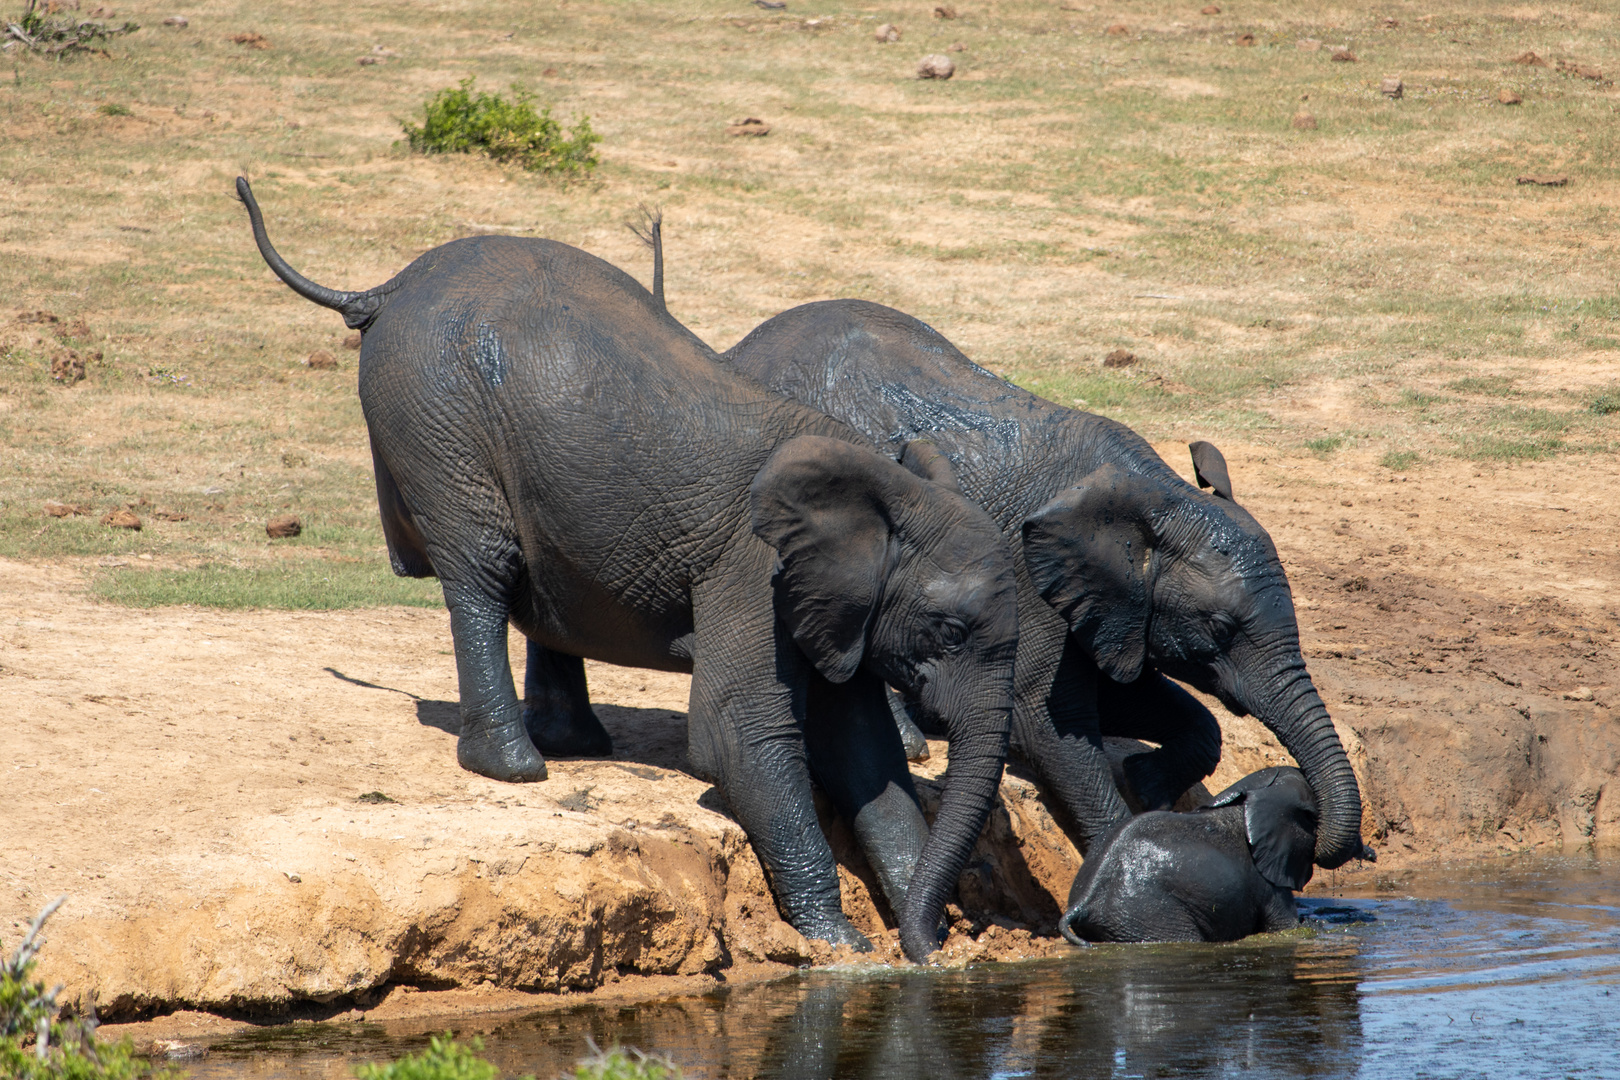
[1151, 782]
[500, 753]
[835, 930]
[567, 734]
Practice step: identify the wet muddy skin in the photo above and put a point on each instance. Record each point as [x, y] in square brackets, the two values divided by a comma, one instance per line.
[1501, 969]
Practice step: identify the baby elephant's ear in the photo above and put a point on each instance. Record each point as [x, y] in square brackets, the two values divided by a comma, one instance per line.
[1280, 818]
[823, 505]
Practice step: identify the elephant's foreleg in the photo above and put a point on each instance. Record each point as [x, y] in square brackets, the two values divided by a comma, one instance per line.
[1159, 710]
[744, 731]
[557, 706]
[857, 757]
[493, 742]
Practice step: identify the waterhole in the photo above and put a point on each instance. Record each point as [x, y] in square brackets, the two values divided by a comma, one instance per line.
[1503, 969]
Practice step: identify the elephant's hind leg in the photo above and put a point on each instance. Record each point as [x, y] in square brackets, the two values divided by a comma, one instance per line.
[493, 741]
[557, 709]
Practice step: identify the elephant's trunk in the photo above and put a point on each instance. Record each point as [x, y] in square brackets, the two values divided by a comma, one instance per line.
[1293, 710]
[971, 783]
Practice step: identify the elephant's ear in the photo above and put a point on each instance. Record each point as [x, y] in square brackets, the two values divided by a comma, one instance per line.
[1209, 468]
[1088, 553]
[1279, 816]
[823, 505]
[924, 458]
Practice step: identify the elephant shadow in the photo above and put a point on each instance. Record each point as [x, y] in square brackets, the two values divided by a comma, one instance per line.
[654, 737]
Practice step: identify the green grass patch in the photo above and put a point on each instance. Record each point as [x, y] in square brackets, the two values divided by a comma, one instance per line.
[1325, 445]
[1496, 448]
[299, 586]
[1399, 460]
[1494, 385]
[1606, 404]
[461, 122]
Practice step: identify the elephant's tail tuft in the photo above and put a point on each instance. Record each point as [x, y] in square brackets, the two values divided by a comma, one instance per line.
[357, 308]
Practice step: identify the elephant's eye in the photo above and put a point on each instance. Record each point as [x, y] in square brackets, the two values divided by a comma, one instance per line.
[952, 635]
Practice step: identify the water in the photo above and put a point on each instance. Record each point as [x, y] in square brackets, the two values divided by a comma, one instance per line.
[1502, 970]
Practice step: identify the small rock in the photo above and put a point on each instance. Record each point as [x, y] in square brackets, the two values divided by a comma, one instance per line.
[1119, 358]
[292, 877]
[121, 519]
[1392, 88]
[1246, 40]
[1308, 44]
[61, 509]
[749, 125]
[179, 22]
[1585, 71]
[1304, 121]
[1544, 181]
[1390, 22]
[1508, 97]
[1529, 59]
[250, 40]
[321, 360]
[1210, 10]
[944, 11]
[174, 1050]
[1580, 693]
[352, 341]
[956, 46]
[887, 33]
[771, 5]
[67, 368]
[1117, 30]
[935, 66]
[1343, 56]
[283, 527]
[367, 61]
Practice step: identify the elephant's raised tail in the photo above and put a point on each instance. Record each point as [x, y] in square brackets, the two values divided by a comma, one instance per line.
[357, 308]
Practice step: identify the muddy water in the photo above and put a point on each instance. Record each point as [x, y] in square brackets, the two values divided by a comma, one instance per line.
[1505, 969]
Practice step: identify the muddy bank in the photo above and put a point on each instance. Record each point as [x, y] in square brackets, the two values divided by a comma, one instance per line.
[195, 781]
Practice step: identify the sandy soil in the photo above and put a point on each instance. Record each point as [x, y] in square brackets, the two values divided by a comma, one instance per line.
[192, 779]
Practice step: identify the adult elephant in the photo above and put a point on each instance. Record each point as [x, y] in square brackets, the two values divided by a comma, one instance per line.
[1126, 573]
[566, 457]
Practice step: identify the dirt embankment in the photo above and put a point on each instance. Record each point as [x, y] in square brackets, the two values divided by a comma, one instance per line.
[200, 783]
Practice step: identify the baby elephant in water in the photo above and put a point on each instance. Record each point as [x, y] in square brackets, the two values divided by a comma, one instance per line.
[1219, 873]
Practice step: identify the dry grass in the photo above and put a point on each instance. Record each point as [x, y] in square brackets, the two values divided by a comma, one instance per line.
[1378, 283]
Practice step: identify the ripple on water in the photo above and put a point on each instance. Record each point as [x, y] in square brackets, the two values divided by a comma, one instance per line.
[1507, 969]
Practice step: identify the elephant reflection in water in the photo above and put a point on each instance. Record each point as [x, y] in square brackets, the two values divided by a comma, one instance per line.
[1288, 1008]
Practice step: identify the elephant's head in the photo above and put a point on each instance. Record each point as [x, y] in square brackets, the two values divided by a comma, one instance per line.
[1148, 570]
[888, 566]
[1279, 820]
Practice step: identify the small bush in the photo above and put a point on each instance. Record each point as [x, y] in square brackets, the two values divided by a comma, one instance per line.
[115, 109]
[1326, 444]
[444, 1059]
[38, 31]
[617, 1064]
[70, 1050]
[1397, 460]
[1606, 404]
[461, 122]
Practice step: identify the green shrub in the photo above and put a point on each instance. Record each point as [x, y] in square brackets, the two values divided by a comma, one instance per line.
[34, 1045]
[617, 1064]
[1606, 404]
[64, 36]
[1399, 459]
[1326, 444]
[461, 122]
[444, 1059]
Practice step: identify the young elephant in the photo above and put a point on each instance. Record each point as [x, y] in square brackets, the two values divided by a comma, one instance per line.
[567, 458]
[1126, 573]
[1219, 873]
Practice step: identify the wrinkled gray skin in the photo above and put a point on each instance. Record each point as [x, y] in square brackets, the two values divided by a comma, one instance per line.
[1126, 573]
[567, 458]
[1222, 872]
